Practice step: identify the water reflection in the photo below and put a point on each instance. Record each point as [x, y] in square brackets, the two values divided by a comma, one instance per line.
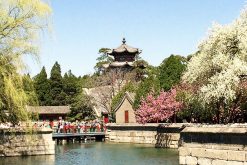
[98, 153]
[29, 160]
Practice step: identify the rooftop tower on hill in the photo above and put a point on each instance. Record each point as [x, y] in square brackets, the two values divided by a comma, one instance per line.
[124, 56]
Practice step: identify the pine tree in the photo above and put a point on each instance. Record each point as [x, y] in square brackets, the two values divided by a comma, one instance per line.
[42, 87]
[71, 87]
[57, 94]
[170, 71]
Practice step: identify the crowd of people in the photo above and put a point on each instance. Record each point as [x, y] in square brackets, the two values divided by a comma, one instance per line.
[6, 125]
[62, 126]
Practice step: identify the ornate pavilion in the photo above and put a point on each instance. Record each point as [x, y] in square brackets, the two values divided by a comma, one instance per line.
[124, 56]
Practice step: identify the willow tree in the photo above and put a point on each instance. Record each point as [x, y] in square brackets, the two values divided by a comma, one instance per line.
[220, 66]
[20, 25]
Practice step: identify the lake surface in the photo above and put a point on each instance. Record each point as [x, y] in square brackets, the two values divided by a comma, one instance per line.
[100, 153]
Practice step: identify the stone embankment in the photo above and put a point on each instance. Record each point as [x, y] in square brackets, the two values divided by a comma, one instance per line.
[161, 135]
[22, 142]
[213, 145]
[198, 144]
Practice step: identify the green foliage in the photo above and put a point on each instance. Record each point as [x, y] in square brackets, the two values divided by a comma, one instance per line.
[141, 67]
[151, 83]
[88, 81]
[102, 59]
[33, 116]
[13, 98]
[65, 90]
[129, 87]
[28, 86]
[71, 87]
[56, 81]
[170, 71]
[103, 55]
[20, 25]
[81, 108]
[193, 111]
[43, 88]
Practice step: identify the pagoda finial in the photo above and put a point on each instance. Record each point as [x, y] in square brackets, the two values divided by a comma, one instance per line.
[124, 41]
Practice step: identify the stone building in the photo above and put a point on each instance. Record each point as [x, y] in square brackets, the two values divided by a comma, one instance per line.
[124, 111]
[50, 112]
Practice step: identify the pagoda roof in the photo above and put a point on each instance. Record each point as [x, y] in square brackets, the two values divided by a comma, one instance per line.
[118, 64]
[124, 48]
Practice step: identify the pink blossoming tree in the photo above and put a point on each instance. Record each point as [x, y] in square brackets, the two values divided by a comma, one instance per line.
[160, 108]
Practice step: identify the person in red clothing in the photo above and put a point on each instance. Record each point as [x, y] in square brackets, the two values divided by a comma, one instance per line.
[106, 119]
[98, 127]
[65, 127]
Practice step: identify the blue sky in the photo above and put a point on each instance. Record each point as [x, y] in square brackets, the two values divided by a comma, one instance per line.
[158, 27]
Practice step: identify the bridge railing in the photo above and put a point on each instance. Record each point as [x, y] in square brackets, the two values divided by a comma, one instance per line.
[78, 129]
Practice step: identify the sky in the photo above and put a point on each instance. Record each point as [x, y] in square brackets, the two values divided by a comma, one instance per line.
[158, 27]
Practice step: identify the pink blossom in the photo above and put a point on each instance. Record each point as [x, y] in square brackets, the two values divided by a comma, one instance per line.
[161, 108]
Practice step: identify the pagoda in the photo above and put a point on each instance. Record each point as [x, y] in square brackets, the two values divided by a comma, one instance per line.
[124, 56]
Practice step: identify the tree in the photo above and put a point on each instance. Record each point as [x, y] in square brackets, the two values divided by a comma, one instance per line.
[149, 84]
[193, 110]
[70, 86]
[103, 98]
[220, 65]
[28, 86]
[57, 93]
[140, 69]
[43, 87]
[161, 108]
[81, 104]
[20, 25]
[81, 108]
[102, 59]
[170, 71]
[88, 81]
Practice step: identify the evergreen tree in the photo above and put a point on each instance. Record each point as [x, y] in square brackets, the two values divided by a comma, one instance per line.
[71, 87]
[170, 71]
[42, 87]
[57, 94]
[28, 86]
[102, 59]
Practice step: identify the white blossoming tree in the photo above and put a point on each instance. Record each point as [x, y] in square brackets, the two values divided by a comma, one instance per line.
[220, 64]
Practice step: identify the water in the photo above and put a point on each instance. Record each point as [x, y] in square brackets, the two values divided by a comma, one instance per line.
[98, 153]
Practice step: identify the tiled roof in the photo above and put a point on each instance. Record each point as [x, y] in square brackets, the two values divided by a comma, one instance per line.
[118, 64]
[129, 96]
[49, 109]
[124, 48]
